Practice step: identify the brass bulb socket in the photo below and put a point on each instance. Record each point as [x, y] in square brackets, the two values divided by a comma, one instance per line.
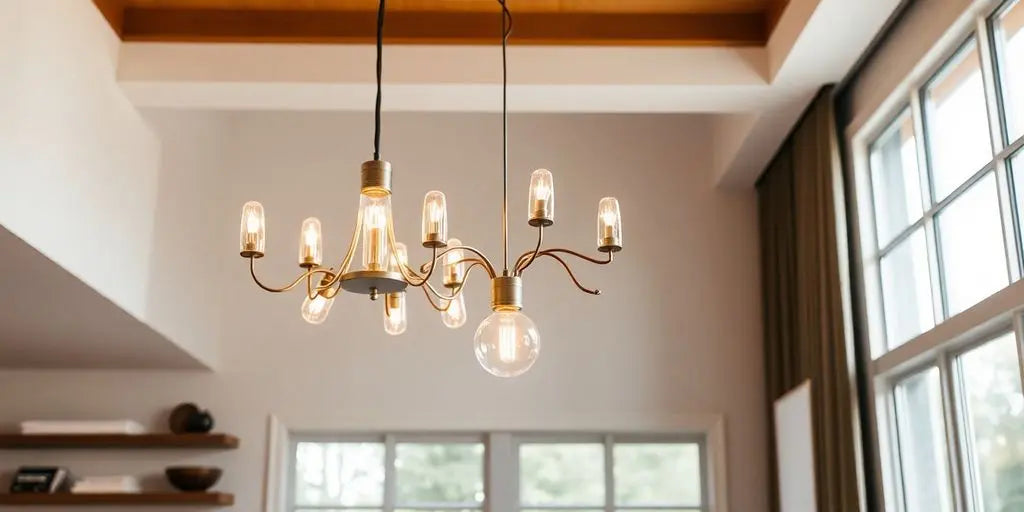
[434, 241]
[309, 262]
[507, 293]
[251, 253]
[376, 178]
[538, 220]
[610, 244]
[394, 300]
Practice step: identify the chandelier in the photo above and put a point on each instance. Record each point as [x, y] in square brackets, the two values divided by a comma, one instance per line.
[507, 342]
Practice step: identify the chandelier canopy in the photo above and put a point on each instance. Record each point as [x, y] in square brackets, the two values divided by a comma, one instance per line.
[507, 342]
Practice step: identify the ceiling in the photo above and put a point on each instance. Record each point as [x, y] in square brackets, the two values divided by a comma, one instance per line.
[547, 22]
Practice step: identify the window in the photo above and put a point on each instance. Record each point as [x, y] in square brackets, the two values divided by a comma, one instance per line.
[993, 418]
[942, 228]
[611, 474]
[1008, 29]
[922, 443]
[585, 472]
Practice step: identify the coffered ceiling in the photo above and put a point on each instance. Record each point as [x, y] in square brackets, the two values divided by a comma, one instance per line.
[537, 22]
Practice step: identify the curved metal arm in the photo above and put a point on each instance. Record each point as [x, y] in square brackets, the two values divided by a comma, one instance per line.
[580, 256]
[457, 290]
[571, 275]
[521, 264]
[485, 263]
[347, 261]
[252, 271]
[435, 306]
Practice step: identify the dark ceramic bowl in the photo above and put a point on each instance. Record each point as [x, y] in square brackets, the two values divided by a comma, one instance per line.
[192, 478]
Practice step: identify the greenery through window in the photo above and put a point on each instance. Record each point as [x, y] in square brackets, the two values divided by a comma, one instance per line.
[441, 473]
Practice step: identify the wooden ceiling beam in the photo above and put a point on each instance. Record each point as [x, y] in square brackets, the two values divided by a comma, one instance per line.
[450, 27]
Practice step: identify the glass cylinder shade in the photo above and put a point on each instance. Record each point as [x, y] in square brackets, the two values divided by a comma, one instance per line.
[315, 310]
[252, 240]
[435, 219]
[376, 217]
[542, 198]
[455, 316]
[395, 321]
[454, 268]
[609, 225]
[507, 343]
[401, 258]
[311, 243]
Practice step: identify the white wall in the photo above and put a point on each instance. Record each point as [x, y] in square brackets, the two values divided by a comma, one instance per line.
[676, 335]
[81, 175]
[71, 145]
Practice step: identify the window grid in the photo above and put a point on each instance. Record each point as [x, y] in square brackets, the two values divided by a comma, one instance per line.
[943, 355]
[609, 441]
[506, 453]
[1012, 239]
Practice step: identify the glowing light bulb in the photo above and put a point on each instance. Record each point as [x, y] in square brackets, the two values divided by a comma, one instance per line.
[315, 310]
[542, 198]
[252, 238]
[311, 245]
[435, 219]
[376, 219]
[507, 343]
[455, 316]
[395, 321]
[454, 267]
[609, 225]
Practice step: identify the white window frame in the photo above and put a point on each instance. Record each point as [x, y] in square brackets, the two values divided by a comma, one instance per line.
[501, 456]
[952, 335]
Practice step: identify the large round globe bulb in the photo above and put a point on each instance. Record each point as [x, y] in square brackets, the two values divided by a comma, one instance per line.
[507, 343]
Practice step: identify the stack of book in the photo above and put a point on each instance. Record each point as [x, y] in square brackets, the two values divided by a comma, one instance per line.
[106, 485]
[82, 427]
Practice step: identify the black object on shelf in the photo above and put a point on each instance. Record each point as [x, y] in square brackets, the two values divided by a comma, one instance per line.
[44, 480]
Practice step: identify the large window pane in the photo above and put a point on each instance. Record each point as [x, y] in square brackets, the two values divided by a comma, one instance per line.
[972, 248]
[561, 474]
[990, 383]
[344, 474]
[958, 131]
[922, 443]
[1009, 34]
[451, 473]
[906, 290]
[657, 474]
[895, 179]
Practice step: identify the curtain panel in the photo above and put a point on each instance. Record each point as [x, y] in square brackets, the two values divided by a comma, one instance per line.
[805, 332]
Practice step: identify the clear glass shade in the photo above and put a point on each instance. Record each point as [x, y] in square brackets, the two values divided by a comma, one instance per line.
[311, 243]
[395, 321]
[401, 258]
[435, 217]
[376, 217]
[507, 343]
[253, 236]
[454, 269]
[455, 316]
[542, 196]
[315, 310]
[609, 223]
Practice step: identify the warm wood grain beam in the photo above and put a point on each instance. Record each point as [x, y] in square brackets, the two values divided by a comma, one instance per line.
[405, 27]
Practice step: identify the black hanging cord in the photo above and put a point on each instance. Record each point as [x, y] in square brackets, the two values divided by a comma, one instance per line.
[506, 29]
[380, 67]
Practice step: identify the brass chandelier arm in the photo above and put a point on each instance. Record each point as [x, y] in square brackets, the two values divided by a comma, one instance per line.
[458, 289]
[485, 263]
[433, 304]
[252, 271]
[572, 276]
[347, 261]
[521, 263]
[580, 256]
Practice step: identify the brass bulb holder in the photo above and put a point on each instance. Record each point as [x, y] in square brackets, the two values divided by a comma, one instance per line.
[309, 262]
[507, 293]
[251, 253]
[393, 301]
[434, 241]
[541, 219]
[610, 244]
[376, 178]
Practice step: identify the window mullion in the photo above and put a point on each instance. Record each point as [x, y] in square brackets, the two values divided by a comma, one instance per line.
[609, 474]
[954, 454]
[990, 84]
[390, 487]
[924, 173]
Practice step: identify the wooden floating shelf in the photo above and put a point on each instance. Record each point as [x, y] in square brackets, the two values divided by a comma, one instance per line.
[125, 441]
[204, 499]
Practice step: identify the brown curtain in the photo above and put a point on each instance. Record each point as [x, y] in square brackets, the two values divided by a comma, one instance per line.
[804, 333]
